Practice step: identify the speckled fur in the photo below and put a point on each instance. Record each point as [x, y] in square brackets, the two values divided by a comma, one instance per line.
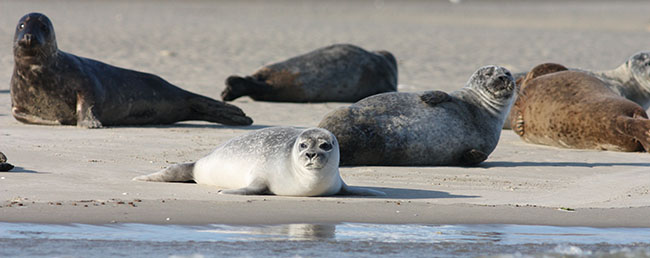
[573, 109]
[53, 87]
[406, 129]
[340, 73]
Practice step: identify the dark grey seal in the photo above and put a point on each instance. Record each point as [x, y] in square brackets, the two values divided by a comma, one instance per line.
[337, 73]
[428, 128]
[53, 87]
[4, 166]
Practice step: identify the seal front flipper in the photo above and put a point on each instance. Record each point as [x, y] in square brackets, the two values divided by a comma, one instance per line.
[257, 187]
[433, 98]
[351, 190]
[237, 86]
[473, 157]
[637, 127]
[30, 119]
[204, 108]
[176, 173]
[85, 112]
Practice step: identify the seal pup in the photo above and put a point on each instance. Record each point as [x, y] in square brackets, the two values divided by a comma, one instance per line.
[427, 128]
[574, 109]
[338, 73]
[275, 160]
[52, 87]
[4, 166]
[630, 80]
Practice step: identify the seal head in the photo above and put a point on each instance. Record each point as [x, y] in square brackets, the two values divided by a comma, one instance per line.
[494, 87]
[639, 64]
[316, 149]
[34, 40]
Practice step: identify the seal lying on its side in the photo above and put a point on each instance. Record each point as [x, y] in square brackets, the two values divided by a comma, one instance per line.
[339, 73]
[630, 80]
[53, 87]
[276, 160]
[429, 128]
[4, 166]
[574, 109]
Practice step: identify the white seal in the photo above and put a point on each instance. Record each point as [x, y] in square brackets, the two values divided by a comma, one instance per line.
[428, 128]
[276, 160]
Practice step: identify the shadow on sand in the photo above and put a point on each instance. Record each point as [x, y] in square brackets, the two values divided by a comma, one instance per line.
[182, 125]
[4, 91]
[405, 193]
[492, 164]
[21, 170]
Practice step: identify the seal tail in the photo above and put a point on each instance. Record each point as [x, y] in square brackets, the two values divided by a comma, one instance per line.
[208, 109]
[237, 86]
[176, 173]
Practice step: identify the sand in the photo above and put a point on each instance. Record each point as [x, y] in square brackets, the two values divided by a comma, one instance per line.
[69, 175]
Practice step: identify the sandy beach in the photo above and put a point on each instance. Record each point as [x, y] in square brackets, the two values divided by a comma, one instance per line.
[70, 175]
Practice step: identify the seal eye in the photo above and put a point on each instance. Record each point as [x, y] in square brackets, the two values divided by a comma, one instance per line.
[21, 26]
[325, 146]
[303, 145]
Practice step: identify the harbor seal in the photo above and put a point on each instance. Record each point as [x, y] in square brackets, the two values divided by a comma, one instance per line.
[337, 73]
[275, 160]
[574, 109]
[427, 128]
[52, 87]
[4, 166]
[630, 80]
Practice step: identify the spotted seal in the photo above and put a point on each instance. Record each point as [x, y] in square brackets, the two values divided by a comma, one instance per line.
[275, 160]
[426, 128]
[575, 109]
[337, 73]
[53, 87]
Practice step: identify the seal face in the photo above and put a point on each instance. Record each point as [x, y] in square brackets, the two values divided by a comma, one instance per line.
[276, 160]
[427, 128]
[341, 73]
[53, 87]
[574, 109]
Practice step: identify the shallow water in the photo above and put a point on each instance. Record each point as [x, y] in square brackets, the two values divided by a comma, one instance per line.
[309, 240]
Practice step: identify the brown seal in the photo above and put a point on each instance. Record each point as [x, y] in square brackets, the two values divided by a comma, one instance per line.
[53, 87]
[573, 109]
[338, 73]
[4, 166]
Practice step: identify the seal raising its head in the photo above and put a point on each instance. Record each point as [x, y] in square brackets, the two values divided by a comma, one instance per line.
[428, 128]
[276, 160]
[52, 87]
[340, 73]
[574, 109]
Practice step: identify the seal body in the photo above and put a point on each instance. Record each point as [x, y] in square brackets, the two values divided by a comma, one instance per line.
[276, 160]
[630, 80]
[53, 87]
[574, 109]
[428, 128]
[338, 73]
[4, 166]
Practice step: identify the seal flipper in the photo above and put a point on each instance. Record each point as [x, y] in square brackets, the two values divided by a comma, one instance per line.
[176, 173]
[351, 190]
[433, 98]
[237, 86]
[85, 112]
[473, 157]
[257, 187]
[204, 108]
[637, 127]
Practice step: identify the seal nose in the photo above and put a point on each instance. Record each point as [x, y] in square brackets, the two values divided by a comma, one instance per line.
[310, 155]
[27, 39]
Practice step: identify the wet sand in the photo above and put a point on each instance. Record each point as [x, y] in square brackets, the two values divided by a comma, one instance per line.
[197, 44]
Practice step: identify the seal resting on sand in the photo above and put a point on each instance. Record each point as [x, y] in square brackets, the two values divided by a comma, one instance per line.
[4, 166]
[574, 109]
[52, 87]
[275, 160]
[428, 128]
[337, 73]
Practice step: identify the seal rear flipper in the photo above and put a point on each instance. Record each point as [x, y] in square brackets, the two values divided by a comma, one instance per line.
[237, 86]
[176, 173]
[433, 98]
[473, 157]
[637, 127]
[207, 109]
[351, 190]
[257, 187]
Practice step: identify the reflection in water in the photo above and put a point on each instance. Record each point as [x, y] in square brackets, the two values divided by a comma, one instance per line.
[277, 232]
